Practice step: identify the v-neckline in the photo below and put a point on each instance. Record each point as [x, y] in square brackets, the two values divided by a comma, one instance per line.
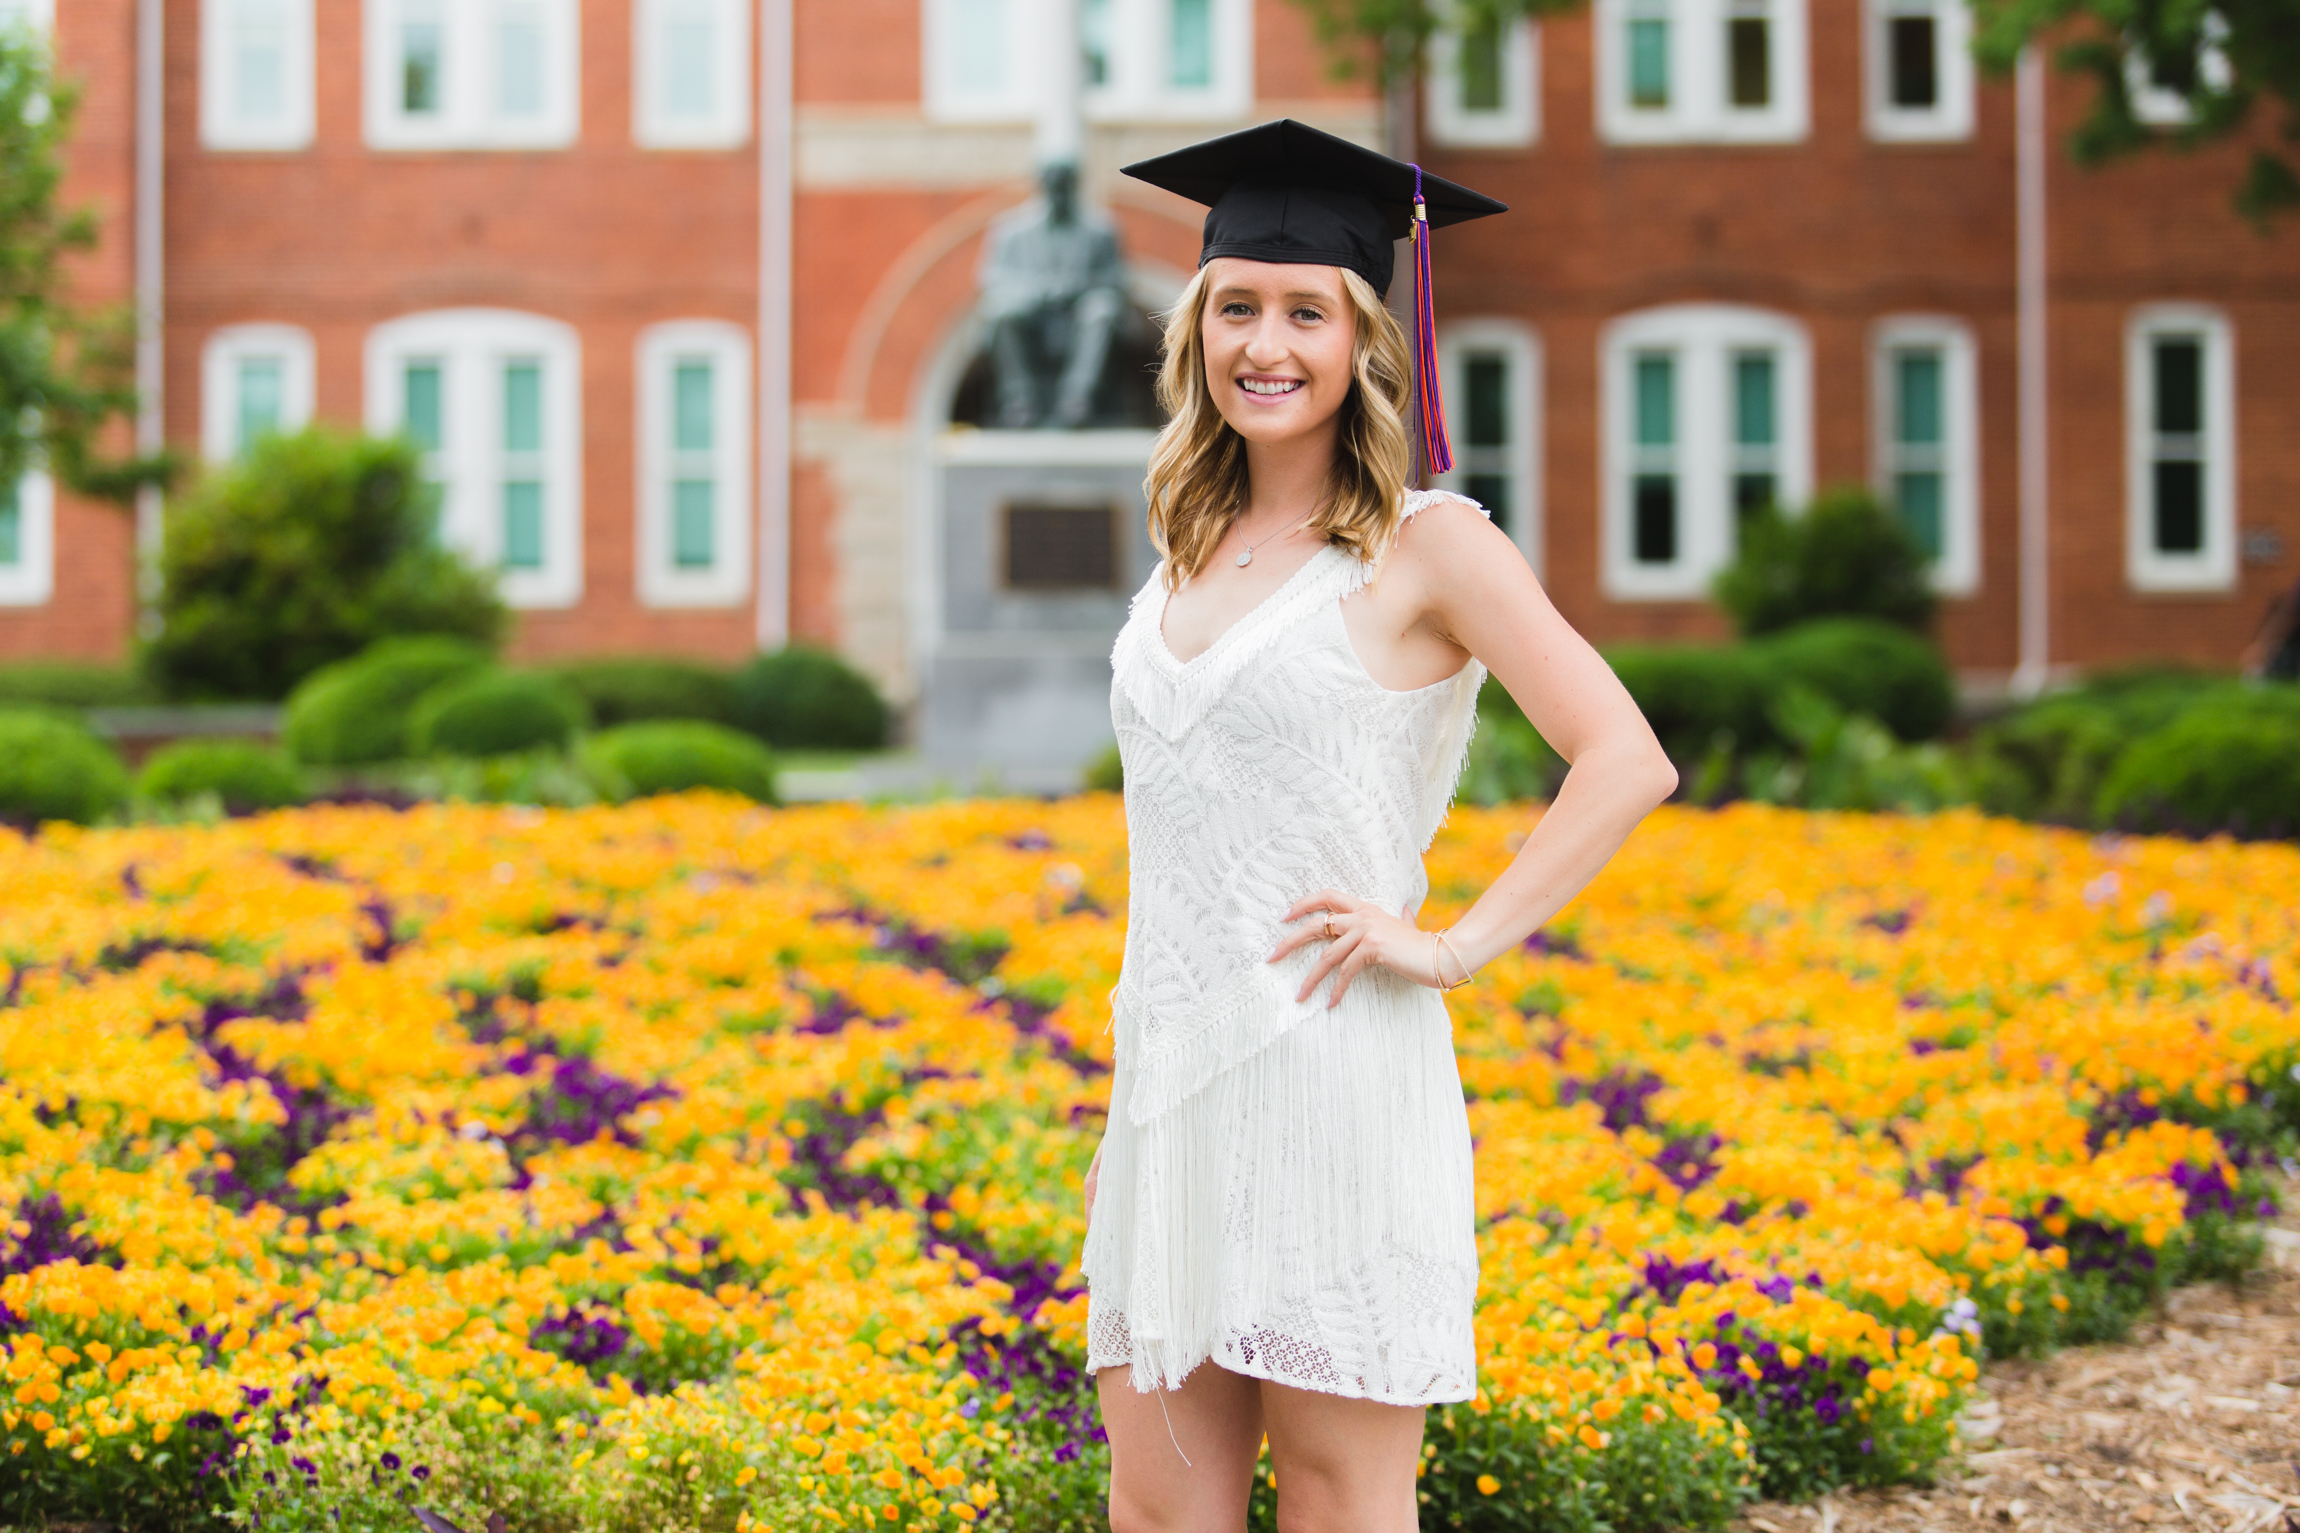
[1158, 628]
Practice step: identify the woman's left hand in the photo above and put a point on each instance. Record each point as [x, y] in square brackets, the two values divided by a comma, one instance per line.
[1358, 933]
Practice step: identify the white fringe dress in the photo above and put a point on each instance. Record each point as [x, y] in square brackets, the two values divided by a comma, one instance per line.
[1284, 1189]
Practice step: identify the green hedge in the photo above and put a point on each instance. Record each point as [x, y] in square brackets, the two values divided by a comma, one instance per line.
[244, 776]
[356, 712]
[491, 713]
[2226, 764]
[1690, 693]
[674, 755]
[630, 690]
[52, 768]
[802, 698]
[74, 684]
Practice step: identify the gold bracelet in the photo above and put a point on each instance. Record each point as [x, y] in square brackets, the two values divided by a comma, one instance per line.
[1467, 974]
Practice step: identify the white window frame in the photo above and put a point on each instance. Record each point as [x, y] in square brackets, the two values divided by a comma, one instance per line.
[2212, 567]
[472, 347]
[1521, 453]
[1699, 111]
[40, 13]
[221, 127]
[1137, 50]
[1516, 123]
[30, 579]
[1950, 117]
[728, 126]
[469, 117]
[1957, 572]
[220, 361]
[1704, 338]
[727, 582]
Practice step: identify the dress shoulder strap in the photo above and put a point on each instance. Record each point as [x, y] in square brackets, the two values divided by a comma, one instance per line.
[1417, 501]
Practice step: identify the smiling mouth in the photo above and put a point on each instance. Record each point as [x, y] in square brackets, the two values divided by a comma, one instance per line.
[1269, 386]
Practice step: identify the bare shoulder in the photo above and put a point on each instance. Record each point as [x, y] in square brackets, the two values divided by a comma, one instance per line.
[1450, 542]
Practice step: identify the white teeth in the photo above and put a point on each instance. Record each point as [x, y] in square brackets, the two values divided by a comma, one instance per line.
[1256, 386]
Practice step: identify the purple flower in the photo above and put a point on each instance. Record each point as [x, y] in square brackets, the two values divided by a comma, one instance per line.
[390, 1459]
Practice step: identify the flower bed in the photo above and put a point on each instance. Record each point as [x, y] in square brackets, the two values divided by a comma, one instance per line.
[691, 1165]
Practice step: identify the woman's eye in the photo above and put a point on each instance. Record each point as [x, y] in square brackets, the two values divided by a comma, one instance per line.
[1308, 316]
[1236, 309]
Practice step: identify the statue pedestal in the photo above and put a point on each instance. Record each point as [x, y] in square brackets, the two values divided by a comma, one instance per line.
[1040, 545]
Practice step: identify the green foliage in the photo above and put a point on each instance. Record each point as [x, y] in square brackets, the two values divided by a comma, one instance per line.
[356, 711]
[1691, 692]
[2221, 766]
[1508, 758]
[2047, 761]
[630, 689]
[2257, 49]
[1846, 555]
[304, 553]
[1840, 760]
[52, 768]
[242, 775]
[490, 712]
[1869, 666]
[801, 698]
[674, 755]
[73, 684]
[547, 777]
[1106, 773]
[1653, 1476]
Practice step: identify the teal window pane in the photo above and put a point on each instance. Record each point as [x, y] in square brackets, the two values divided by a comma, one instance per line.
[978, 51]
[1094, 39]
[523, 407]
[691, 389]
[1918, 406]
[1649, 62]
[522, 525]
[11, 528]
[1481, 67]
[1753, 424]
[1190, 51]
[1749, 44]
[260, 387]
[519, 60]
[689, 41]
[420, 404]
[420, 47]
[1918, 495]
[1656, 401]
[694, 523]
[1487, 412]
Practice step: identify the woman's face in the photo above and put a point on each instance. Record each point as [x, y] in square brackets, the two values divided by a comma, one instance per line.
[1278, 342]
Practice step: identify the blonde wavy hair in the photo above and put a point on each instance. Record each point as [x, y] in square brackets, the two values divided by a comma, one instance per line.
[1197, 480]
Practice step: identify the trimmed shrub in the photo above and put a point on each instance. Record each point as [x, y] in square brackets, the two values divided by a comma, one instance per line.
[2221, 766]
[800, 698]
[1846, 555]
[74, 684]
[355, 712]
[674, 755]
[628, 690]
[52, 768]
[1688, 693]
[490, 713]
[305, 552]
[243, 775]
[1866, 665]
[2048, 761]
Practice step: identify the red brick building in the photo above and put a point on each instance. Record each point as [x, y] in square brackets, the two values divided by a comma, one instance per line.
[679, 293]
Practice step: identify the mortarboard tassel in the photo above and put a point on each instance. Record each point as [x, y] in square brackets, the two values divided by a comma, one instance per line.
[1437, 449]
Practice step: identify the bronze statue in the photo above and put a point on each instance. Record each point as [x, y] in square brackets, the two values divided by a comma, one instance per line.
[1053, 289]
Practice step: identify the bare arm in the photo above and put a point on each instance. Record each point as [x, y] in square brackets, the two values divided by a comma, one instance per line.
[1459, 580]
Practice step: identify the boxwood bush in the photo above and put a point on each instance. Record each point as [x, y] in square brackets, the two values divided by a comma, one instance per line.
[1866, 665]
[1845, 555]
[53, 768]
[674, 755]
[1690, 693]
[74, 684]
[356, 712]
[490, 713]
[801, 698]
[2223, 765]
[627, 690]
[243, 775]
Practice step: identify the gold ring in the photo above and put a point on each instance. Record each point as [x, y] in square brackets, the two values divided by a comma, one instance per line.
[1329, 925]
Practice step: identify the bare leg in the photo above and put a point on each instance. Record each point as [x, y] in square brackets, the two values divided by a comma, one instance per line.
[1343, 1466]
[1214, 1420]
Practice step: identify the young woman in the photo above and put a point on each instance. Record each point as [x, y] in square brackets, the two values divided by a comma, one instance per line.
[1280, 1222]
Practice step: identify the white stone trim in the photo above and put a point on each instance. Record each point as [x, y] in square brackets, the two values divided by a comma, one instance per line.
[1699, 109]
[220, 361]
[1521, 458]
[657, 121]
[1958, 570]
[1703, 339]
[1515, 124]
[1950, 118]
[2213, 566]
[222, 125]
[473, 112]
[472, 347]
[29, 580]
[726, 581]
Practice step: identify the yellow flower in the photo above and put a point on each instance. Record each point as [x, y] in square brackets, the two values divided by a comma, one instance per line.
[1487, 1484]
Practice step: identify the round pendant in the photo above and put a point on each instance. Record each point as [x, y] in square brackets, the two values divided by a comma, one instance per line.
[1245, 558]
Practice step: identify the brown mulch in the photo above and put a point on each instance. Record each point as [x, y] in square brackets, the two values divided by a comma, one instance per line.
[2192, 1423]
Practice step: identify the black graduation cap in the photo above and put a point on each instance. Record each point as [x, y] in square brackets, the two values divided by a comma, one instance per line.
[1287, 193]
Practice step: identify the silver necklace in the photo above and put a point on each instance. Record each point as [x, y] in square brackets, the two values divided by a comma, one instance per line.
[1247, 557]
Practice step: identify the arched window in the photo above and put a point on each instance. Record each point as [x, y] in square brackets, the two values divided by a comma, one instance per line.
[694, 523]
[494, 399]
[1492, 374]
[1708, 418]
[1483, 88]
[253, 379]
[1926, 458]
[2180, 449]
